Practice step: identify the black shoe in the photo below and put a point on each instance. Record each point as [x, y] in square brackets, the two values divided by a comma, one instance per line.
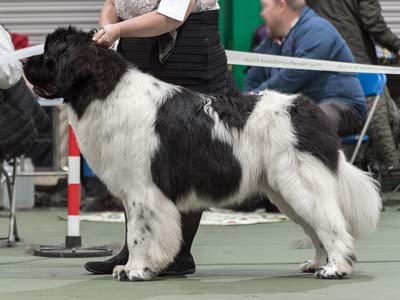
[107, 266]
[183, 265]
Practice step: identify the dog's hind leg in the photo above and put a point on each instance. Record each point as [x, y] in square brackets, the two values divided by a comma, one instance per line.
[153, 234]
[309, 188]
[321, 257]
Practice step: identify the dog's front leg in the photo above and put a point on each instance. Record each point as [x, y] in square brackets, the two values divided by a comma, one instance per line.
[153, 235]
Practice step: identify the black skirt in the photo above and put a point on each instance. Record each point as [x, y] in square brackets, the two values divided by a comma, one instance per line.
[198, 60]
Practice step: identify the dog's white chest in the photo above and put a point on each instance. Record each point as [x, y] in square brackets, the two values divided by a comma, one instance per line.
[117, 138]
[90, 134]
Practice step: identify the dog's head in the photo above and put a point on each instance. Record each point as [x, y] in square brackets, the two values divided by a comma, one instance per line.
[66, 64]
[73, 67]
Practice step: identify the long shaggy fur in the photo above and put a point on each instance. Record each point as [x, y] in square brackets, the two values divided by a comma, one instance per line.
[354, 187]
[163, 149]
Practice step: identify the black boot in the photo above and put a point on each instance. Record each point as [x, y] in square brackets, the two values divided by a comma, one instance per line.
[107, 266]
[184, 262]
[182, 265]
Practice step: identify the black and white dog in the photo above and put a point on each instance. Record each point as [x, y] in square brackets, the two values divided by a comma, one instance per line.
[163, 149]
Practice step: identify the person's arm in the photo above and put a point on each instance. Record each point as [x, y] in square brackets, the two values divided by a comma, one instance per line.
[148, 25]
[254, 79]
[10, 72]
[256, 76]
[373, 21]
[311, 44]
[108, 14]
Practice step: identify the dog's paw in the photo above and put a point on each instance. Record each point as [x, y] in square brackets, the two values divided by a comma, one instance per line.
[331, 271]
[122, 273]
[119, 273]
[141, 274]
[309, 266]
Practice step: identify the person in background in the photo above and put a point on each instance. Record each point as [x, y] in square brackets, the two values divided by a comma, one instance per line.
[293, 29]
[10, 71]
[177, 42]
[361, 24]
[20, 115]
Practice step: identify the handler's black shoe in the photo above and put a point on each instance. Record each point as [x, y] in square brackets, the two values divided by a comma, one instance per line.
[183, 265]
[107, 266]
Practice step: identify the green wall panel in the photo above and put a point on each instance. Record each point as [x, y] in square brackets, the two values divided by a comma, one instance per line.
[238, 20]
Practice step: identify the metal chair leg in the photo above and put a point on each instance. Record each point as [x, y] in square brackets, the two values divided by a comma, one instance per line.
[393, 193]
[7, 179]
[11, 231]
[364, 129]
[11, 189]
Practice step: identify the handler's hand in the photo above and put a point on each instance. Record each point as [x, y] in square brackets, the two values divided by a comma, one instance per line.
[107, 35]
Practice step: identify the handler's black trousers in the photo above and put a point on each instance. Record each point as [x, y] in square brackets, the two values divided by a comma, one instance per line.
[342, 116]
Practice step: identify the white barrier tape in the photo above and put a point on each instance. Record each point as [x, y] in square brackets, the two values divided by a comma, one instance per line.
[254, 59]
[285, 62]
[25, 53]
[22, 53]
[50, 102]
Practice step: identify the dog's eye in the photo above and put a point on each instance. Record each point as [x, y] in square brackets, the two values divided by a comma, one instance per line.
[48, 62]
[45, 58]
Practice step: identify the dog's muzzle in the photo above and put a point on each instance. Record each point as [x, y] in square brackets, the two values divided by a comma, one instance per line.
[46, 92]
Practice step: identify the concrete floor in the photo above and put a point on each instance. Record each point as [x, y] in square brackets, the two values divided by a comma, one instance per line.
[241, 262]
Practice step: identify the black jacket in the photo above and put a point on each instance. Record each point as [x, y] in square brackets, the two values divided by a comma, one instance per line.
[20, 119]
[358, 21]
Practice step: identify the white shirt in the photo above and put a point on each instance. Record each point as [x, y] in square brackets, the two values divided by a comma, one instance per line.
[175, 9]
[10, 72]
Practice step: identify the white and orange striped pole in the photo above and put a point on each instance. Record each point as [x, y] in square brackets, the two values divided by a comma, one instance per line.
[73, 238]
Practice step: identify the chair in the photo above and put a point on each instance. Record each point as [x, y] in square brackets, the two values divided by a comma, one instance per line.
[372, 85]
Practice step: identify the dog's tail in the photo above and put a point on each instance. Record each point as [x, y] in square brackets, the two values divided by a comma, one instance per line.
[359, 198]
